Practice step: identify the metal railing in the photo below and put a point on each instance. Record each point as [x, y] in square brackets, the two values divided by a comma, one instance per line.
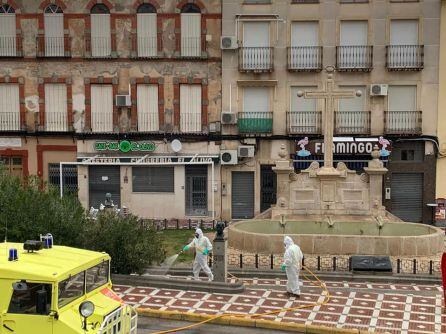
[305, 58]
[256, 59]
[255, 122]
[98, 47]
[403, 122]
[56, 121]
[9, 121]
[354, 57]
[10, 46]
[405, 57]
[190, 122]
[145, 46]
[123, 320]
[52, 46]
[352, 122]
[191, 47]
[148, 121]
[304, 122]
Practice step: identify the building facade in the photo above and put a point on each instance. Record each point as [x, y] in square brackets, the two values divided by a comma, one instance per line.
[103, 88]
[388, 50]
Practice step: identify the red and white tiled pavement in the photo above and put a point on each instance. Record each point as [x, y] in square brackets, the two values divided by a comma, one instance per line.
[392, 308]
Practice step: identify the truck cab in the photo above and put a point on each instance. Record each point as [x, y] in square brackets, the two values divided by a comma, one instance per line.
[60, 290]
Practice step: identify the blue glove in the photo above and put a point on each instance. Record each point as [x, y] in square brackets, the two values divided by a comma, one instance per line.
[206, 252]
[185, 248]
[283, 267]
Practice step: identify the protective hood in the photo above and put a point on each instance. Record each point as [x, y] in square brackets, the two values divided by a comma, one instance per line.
[288, 241]
[199, 232]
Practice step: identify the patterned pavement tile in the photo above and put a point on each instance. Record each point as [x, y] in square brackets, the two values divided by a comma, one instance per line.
[327, 317]
[246, 300]
[390, 314]
[277, 295]
[389, 323]
[363, 312]
[274, 303]
[423, 309]
[142, 291]
[166, 293]
[193, 295]
[366, 295]
[424, 300]
[422, 317]
[210, 305]
[331, 308]
[134, 299]
[236, 308]
[364, 303]
[354, 320]
[393, 306]
[395, 298]
[418, 326]
[338, 301]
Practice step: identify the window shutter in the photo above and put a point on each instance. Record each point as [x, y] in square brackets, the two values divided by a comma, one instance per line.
[8, 44]
[404, 32]
[146, 32]
[190, 108]
[9, 107]
[353, 33]
[305, 34]
[101, 108]
[56, 107]
[190, 35]
[54, 35]
[147, 97]
[100, 35]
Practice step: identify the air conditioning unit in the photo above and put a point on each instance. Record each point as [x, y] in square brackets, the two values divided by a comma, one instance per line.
[123, 101]
[228, 157]
[228, 43]
[378, 90]
[228, 118]
[246, 151]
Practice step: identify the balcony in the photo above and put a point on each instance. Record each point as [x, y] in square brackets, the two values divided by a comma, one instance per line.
[190, 122]
[191, 47]
[352, 122]
[305, 58]
[405, 57]
[304, 122]
[56, 122]
[98, 47]
[403, 122]
[255, 122]
[256, 59]
[53, 47]
[11, 46]
[9, 121]
[144, 46]
[354, 58]
[148, 121]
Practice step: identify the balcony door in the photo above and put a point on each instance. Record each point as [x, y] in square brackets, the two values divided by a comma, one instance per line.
[305, 52]
[256, 116]
[304, 117]
[190, 108]
[402, 105]
[101, 108]
[404, 50]
[8, 39]
[256, 46]
[100, 33]
[190, 34]
[146, 32]
[352, 117]
[54, 32]
[353, 50]
[56, 118]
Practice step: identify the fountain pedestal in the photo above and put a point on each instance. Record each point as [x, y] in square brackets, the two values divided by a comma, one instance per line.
[220, 260]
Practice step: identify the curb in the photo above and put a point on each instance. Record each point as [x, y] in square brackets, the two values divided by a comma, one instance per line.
[248, 322]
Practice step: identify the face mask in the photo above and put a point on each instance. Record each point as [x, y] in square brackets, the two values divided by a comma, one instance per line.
[197, 235]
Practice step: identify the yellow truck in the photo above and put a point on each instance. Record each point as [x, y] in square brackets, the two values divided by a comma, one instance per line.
[59, 290]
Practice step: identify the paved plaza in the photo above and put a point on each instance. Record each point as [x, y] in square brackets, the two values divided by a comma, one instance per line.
[378, 307]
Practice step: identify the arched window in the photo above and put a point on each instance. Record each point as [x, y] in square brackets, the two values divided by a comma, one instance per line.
[100, 31]
[54, 31]
[146, 31]
[190, 30]
[8, 39]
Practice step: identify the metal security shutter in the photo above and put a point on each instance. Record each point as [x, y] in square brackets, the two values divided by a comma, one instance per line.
[9, 107]
[8, 46]
[190, 35]
[102, 180]
[146, 32]
[305, 34]
[101, 108]
[196, 190]
[56, 107]
[407, 196]
[69, 177]
[190, 108]
[147, 100]
[242, 195]
[153, 179]
[100, 35]
[54, 35]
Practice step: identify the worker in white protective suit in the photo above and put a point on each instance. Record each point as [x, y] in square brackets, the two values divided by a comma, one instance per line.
[292, 260]
[202, 247]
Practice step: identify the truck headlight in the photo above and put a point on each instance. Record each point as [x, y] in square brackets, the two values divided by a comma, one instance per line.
[86, 309]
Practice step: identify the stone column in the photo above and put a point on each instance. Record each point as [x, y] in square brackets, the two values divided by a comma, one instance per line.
[376, 171]
[283, 170]
[220, 260]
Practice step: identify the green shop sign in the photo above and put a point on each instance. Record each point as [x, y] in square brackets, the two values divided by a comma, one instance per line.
[125, 146]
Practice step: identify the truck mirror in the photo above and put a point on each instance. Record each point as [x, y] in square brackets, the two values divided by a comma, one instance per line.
[42, 302]
[20, 286]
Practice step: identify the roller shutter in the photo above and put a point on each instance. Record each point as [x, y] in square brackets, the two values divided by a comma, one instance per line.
[242, 195]
[407, 196]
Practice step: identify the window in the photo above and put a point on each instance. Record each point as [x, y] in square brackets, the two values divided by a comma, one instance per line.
[300, 104]
[305, 53]
[147, 104]
[190, 31]
[404, 51]
[100, 31]
[402, 115]
[56, 116]
[71, 289]
[303, 117]
[404, 32]
[256, 99]
[412, 151]
[97, 276]
[352, 117]
[407, 155]
[190, 108]
[256, 54]
[8, 38]
[153, 179]
[69, 176]
[54, 31]
[25, 297]
[9, 107]
[146, 31]
[402, 98]
[101, 108]
[353, 51]
[12, 165]
[257, 116]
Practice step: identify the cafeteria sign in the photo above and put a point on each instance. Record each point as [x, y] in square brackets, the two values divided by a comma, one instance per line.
[125, 146]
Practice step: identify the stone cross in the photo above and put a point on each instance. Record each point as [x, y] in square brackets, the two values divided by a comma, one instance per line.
[329, 94]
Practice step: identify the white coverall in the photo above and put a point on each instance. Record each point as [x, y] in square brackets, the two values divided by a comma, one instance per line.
[292, 259]
[201, 243]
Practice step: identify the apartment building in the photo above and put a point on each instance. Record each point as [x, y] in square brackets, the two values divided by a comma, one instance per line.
[387, 49]
[121, 94]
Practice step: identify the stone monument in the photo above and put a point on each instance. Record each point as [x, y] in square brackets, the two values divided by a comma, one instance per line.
[220, 254]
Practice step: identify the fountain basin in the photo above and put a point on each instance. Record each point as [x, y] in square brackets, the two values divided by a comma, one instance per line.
[343, 238]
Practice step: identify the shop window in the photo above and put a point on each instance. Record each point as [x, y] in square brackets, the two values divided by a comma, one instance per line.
[69, 176]
[12, 165]
[407, 155]
[30, 298]
[153, 179]
[408, 152]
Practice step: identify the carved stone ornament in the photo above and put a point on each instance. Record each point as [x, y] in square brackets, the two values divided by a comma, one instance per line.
[293, 176]
[364, 178]
[282, 152]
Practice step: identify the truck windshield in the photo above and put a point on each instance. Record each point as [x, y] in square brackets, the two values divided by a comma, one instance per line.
[71, 288]
[97, 276]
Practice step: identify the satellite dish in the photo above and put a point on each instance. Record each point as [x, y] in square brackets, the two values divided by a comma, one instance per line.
[176, 145]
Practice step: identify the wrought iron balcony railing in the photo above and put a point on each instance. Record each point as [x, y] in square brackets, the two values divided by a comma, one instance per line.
[256, 59]
[405, 57]
[9, 121]
[148, 121]
[11, 46]
[190, 122]
[98, 47]
[403, 122]
[304, 122]
[305, 58]
[255, 122]
[354, 58]
[191, 47]
[56, 121]
[144, 46]
[352, 122]
[53, 46]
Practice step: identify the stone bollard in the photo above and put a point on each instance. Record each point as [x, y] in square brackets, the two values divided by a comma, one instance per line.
[220, 259]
